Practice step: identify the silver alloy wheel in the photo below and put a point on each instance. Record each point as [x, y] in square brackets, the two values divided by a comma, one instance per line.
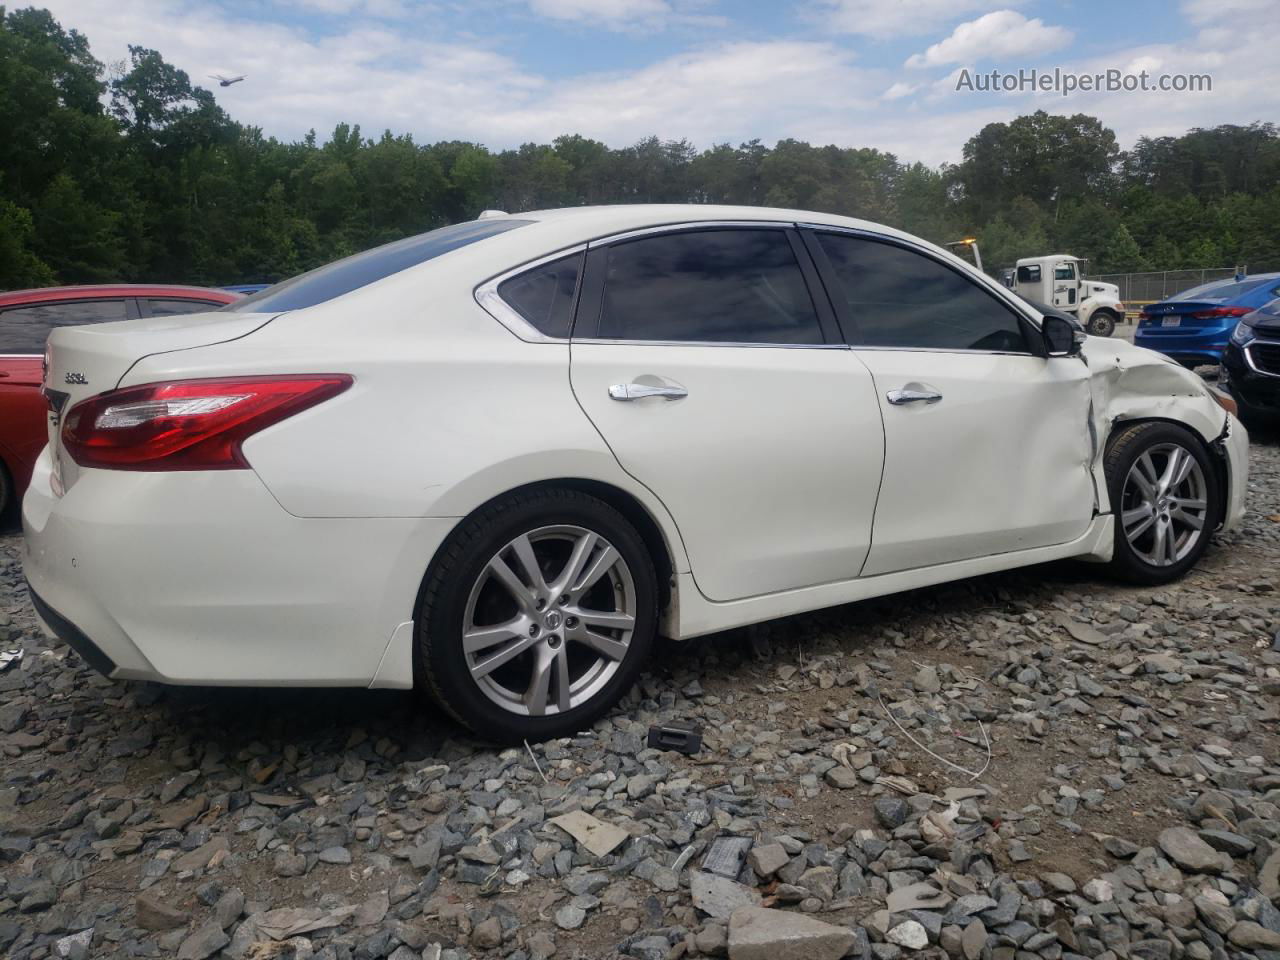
[549, 620]
[1164, 504]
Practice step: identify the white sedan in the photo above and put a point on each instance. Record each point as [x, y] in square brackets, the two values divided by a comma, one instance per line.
[494, 461]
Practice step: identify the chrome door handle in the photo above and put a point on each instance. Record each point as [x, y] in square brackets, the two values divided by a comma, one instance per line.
[638, 391]
[899, 397]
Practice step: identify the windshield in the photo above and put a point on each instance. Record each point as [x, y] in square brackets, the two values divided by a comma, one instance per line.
[1220, 290]
[343, 276]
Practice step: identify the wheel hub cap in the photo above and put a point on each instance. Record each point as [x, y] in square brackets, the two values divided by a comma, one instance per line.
[549, 620]
[1164, 504]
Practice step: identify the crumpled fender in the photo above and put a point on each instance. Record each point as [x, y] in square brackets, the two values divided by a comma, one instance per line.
[1132, 383]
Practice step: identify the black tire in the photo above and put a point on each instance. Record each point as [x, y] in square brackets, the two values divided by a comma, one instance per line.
[6, 493]
[1101, 324]
[1129, 443]
[441, 663]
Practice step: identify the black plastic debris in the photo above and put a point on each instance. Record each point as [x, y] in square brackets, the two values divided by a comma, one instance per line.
[678, 736]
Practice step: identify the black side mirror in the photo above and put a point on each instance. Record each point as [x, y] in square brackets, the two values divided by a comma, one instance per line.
[1062, 337]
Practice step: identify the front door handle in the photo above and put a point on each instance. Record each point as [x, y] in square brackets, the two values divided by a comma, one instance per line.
[899, 397]
[638, 391]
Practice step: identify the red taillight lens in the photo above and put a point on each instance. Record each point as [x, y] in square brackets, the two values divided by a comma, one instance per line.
[1222, 312]
[187, 424]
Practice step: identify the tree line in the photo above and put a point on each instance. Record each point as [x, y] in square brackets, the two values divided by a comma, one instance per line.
[135, 174]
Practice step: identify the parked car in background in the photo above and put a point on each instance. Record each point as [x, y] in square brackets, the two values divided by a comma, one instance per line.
[246, 288]
[27, 317]
[1193, 326]
[498, 459]
[1251, 364]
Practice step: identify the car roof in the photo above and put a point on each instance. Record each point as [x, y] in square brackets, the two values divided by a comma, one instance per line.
[105, 291]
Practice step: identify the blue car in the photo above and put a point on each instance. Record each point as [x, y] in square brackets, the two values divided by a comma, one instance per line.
[247, 288]
[1193, 326]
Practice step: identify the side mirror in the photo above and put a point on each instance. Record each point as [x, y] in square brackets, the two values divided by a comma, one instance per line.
[1062, 337]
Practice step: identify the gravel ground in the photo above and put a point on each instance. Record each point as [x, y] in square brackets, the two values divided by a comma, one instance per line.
[1126, 801]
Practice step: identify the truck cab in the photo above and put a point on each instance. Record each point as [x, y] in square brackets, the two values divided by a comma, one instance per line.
[1058, 280]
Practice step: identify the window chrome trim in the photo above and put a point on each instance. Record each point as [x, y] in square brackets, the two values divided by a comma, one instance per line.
[606, 342]
[487, 296]
[989, 353]
[687, 225]
[1248, 356]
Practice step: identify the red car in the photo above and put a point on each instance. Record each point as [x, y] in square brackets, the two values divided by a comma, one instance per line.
[26, 317]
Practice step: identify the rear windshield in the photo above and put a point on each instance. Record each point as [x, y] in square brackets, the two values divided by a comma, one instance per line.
[343, 276]
[1220, 290]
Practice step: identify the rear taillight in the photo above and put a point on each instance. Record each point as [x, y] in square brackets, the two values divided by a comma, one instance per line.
[187, 424]
[1221, 312]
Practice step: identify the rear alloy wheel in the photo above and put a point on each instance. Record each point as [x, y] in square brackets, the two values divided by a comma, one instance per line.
[1101, 324]
[1164, 492]
[538, 616]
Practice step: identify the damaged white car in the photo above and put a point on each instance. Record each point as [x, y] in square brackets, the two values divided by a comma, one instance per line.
[497, 459]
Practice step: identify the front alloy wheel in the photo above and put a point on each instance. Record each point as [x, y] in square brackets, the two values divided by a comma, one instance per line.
[1165, 504]
[1166, 499]
[536, 615]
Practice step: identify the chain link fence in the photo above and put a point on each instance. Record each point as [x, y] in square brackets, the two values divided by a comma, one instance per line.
[1142, 288]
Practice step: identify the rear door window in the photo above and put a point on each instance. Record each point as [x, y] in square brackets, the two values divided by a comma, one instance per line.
[707, 286]
[23, 330]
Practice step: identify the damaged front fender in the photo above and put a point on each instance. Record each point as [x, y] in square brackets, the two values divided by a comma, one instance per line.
[1129, 383]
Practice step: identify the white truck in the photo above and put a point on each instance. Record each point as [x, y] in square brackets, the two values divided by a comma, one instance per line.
[1058, 280]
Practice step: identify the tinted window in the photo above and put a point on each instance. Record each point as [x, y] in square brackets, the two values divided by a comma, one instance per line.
[25, 329]
[728, 286]
[544, 295]
[900, 298]
[1064, 271]
[343, 276]
[1029, 274]
[169, 308]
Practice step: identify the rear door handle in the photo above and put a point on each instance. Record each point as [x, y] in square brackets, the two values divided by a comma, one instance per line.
[900, 397]
[639, 391]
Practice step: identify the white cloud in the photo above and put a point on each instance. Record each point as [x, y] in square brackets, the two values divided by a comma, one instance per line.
[895, 18]
[1202, 12]
[996, 35]
[614, 14]
[411, 77]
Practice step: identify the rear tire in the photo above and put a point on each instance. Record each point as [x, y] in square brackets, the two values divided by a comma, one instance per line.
[519, 655]
[6, 493]
[1101, 324]
[1165, 497]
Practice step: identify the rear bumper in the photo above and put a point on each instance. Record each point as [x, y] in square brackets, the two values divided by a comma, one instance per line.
[60, 628]
[1191, 347]
[203, 578]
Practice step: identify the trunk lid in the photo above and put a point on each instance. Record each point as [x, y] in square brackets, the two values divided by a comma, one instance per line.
[82, 361]
[1182, 314]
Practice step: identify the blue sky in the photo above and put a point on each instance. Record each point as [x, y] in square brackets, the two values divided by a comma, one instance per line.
[877, 73]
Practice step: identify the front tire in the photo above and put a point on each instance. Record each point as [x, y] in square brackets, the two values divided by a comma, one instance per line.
[1101, 324]
[1164, 493]
[537, 615]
